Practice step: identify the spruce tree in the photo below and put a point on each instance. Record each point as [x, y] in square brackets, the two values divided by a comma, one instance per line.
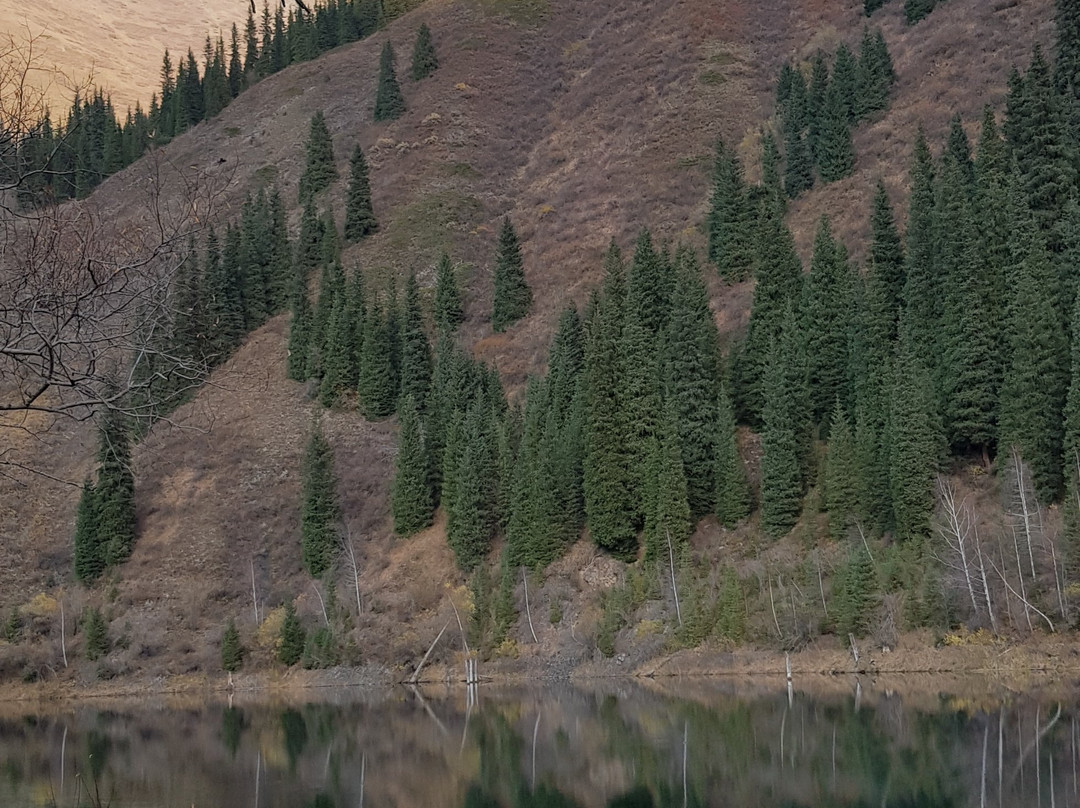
[319, 509]
[472, 517]
[732, 489]
[88, 553]
[922, 294]
[648, 286]
[1071, 454]
[415, 373]
[668, 517]
[845, 82]
[781, 461]
[448, 310]
[729, 223]
[360, 218]
[512, 296]
[299, 334]
[915, 10]
[914, 440]
[291, 640]
[855, 593]
[833, 150]
[115, 490]
[378, 384]
[232, 651]
[95, 634]
[799, 164]
[689, 358]
[319, 170]
[841, 475]
[410, 497]
[389, 102]
[424, 60]
[609, 506]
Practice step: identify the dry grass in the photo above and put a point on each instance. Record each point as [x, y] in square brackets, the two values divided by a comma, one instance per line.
[584, 126]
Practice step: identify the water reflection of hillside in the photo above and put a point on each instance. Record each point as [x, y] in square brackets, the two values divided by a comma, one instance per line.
[622, 746]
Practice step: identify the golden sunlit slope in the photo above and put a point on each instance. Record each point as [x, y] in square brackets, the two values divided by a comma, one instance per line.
[118, 44]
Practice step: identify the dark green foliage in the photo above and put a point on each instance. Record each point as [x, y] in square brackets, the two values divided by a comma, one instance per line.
[609, 504]
[232, 651]
[915, 441]
[841, 475]
[729, 221]
[114, 492]
[771, 180]
[415, 372]
[12, 628]
[424, 60]
[778, 290]
[730, 609]
[922, 295]
[292, 638]
[319, 509]
[319, 170]
[648, 286]
[732, 503]
[783, 425]
[1037, 371]
[320, 649]
[667, 518]
[855, 595]
[512, 296]
[690, 380]
[410, 497]
[799, 166]
[449, 313]
[360, 218]
[874, 75]
[828, 324]
[299, 333]
[378, 383]
[915, 10]
[88, 554]
[95, 634]
[389, 102]
[844, 82]
[870, 6]
[471, 478]
[886, 257]
[833, 150]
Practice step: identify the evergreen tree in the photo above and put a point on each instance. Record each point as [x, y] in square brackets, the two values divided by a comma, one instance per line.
[689, 358]
[915, 10]
[424, 60]
[816, 93]
[856, 593]
[410, 498]
[251, 49]
[799, 165]
[389, 102]
[915, 440]
[828, 324]
[236, 67]
[668, 517]
[319, 510]
[115, 490]
[771, 181]
[291, 640]
[648, 287]
[781, 461]
[472, 518]
[845, 82]
[512, 296]
[448, 310]
[841, 475]
[732, 489]
[95, 634]
[232, 651]
[378, 383]
[1036, 374]
[729, 223]
[922, 295]
[1071, 455]
[833, 150]
[299, 334]
[415, 371]
[886, 254]
[359, 216]
[874, 74]
[609, 506]
[89, 556]
[319, 169]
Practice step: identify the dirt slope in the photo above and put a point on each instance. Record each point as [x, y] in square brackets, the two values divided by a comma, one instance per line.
[116, 44]
[585, 126]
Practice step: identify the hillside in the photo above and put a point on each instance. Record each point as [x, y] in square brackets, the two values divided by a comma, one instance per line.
[582, 121]
[116, 46]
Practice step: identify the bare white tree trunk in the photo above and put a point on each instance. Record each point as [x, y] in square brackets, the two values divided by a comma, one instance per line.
[983, 582]
[63, 631]
[322, 604]
[254, 594]
[350, 553]
[674, 586]
[1025, 508]
[955, 531]
[528, 611]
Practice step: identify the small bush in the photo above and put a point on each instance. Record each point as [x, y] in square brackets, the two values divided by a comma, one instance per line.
[292, 638]
[320, 650]
[232, 651]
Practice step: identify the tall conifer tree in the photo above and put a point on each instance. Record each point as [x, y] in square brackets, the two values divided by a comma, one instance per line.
[512, 296]
[389, 102]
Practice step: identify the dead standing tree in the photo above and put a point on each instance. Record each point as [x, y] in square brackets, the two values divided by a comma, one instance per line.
[85, 293]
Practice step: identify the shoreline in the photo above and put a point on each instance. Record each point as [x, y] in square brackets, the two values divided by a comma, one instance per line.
[914, 666]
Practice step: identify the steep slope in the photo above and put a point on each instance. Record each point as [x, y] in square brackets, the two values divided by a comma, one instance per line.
[118, 46]
[583, 125]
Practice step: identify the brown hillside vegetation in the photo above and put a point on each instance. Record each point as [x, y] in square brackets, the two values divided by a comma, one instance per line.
[582, 121]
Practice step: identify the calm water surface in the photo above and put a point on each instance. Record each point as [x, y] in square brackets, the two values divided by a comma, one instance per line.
[613, 745]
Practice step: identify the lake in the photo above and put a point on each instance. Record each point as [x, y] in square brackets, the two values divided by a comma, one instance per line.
[674, 743]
